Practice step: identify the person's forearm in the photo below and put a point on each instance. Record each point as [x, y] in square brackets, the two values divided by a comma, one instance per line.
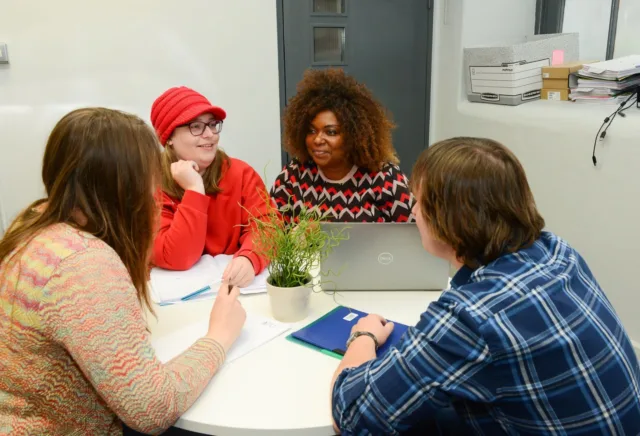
[181, 238]
[361, 350]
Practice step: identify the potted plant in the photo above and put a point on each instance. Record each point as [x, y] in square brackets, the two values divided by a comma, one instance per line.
[294, 251]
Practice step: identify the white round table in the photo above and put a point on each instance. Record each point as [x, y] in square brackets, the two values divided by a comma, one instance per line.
[280, 388]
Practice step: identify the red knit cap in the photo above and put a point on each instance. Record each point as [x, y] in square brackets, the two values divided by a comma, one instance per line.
[177, 106]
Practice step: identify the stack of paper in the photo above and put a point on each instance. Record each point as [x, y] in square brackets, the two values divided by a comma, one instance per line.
[200, 282]
[609, 85]
[607, 82]
[596, 98]
[257, 331]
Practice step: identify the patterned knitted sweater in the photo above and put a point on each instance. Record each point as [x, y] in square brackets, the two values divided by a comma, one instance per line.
[361, 196]
[75, 353]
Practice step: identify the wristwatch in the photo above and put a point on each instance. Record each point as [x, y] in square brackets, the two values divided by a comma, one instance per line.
[354, 335]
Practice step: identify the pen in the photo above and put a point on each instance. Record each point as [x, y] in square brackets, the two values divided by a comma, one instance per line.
[196, 293]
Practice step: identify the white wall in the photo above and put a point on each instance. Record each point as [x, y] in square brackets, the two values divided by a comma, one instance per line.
[595, 209]
[123, 54]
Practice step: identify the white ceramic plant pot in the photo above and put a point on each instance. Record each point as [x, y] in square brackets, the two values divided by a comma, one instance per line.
[289, 304]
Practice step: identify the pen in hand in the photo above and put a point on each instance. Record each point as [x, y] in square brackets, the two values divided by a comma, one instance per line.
[227, 316]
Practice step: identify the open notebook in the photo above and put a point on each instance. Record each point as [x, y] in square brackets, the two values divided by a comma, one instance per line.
[171, 287]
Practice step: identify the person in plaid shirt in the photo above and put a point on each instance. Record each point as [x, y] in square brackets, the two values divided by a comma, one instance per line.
[524, 342]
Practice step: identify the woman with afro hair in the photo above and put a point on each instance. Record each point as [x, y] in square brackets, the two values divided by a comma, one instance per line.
[343, 162]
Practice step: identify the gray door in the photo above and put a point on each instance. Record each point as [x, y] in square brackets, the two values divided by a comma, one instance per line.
[385, 44]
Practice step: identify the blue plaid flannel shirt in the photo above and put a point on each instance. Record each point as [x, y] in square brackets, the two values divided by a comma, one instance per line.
[527, 345]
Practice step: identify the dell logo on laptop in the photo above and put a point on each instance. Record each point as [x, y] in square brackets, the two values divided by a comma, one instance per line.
[385, 258]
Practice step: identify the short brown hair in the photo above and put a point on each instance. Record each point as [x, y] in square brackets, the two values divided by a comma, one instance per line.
[474, 195]
[364, 121]
[103, 163]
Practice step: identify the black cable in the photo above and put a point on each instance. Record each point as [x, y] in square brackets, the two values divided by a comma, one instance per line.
[637, 103]
[608, 121]
[620, 111]
[606, 124]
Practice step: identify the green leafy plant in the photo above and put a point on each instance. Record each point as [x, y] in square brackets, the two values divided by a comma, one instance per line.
[294, 250]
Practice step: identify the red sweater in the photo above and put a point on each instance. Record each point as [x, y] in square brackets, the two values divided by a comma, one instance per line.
[211, 224]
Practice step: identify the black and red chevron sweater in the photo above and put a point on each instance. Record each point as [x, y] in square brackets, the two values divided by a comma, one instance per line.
[361, 196]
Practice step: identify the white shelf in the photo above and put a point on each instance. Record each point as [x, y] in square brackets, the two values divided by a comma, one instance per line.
[555, 115]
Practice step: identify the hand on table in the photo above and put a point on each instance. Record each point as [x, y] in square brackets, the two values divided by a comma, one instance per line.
[376, 325]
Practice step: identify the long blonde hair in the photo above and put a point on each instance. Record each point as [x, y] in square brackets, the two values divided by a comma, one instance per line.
[102, 163]
[211, 176]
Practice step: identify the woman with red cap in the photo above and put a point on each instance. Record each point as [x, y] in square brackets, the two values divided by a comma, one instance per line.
[207, 196]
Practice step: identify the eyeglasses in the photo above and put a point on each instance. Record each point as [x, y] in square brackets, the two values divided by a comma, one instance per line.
[197, 127]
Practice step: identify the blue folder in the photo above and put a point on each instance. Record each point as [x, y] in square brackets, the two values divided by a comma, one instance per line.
[329, 333]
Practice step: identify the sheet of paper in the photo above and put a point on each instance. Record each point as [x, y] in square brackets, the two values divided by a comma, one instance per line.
[257, 331]
[169, 287]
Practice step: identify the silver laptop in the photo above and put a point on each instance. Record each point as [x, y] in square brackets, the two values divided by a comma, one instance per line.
[382, 256]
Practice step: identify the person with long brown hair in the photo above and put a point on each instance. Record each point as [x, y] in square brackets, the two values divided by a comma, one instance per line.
[524, 341]
[344, 162]
[75, 351]
[208, 197]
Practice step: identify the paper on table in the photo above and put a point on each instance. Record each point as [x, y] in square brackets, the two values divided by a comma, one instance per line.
[257, 331]
[168, 287]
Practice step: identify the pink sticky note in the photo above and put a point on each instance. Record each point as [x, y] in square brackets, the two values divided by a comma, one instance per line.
[558, 57]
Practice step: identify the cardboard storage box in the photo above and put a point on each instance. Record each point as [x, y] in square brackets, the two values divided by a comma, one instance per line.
[561, 71]
[555, 83]
[511, 74]
[555, 94]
